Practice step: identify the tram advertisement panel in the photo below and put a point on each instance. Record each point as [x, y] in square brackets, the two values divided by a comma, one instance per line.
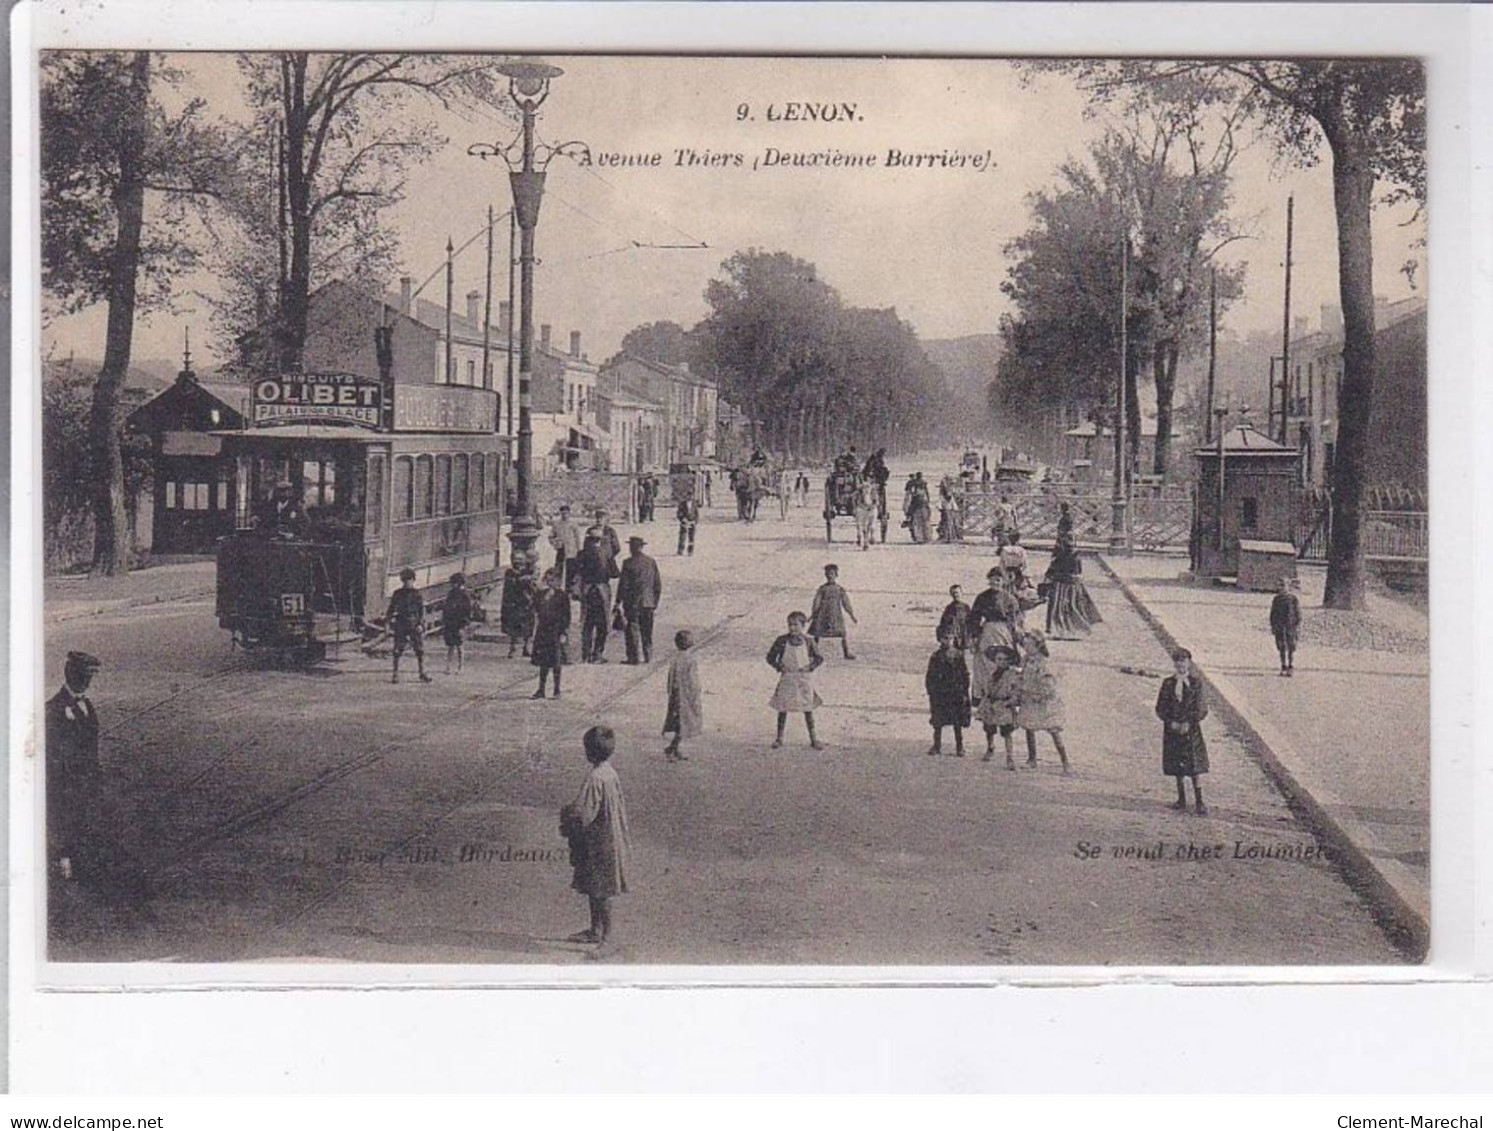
[333, 398]
[444, 408]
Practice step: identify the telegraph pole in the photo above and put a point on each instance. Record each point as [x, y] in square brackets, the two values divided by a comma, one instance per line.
[508, 341]
[1285, 344]
[1212, 349]
[1117, 539]
[450, 298]
[487, 313]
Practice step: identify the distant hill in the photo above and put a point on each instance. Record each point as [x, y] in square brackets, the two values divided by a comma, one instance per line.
[148, 375]
[968, 364]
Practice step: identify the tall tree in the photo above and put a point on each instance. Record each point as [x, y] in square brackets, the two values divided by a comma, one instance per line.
[664, 342]
[333, 139]
[105, 145]
[1370, 113]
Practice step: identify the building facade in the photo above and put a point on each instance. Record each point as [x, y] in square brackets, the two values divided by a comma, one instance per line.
[688, 404]
[1397, 448]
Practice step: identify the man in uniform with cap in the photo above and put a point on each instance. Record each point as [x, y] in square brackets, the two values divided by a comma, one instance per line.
[406, 621]
[82, 839]
[638, 592]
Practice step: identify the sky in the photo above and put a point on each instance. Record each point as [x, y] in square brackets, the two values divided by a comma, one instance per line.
[928, 241]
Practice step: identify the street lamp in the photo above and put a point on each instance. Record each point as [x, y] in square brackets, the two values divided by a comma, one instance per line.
[528, 86]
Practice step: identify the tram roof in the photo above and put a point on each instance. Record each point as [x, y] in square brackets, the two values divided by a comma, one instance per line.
[350, 435]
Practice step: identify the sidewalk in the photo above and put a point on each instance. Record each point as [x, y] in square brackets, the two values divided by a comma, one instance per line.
[71, 596]
[1348, 737]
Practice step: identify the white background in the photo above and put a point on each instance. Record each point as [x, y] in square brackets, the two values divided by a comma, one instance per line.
[1427, 1028]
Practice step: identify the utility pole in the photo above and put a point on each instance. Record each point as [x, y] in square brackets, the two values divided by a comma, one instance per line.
[508, 340]
[450, 298]
[278, 322]
[1285, 344]
[1118, 520]
[487, 314]
[1212, 350]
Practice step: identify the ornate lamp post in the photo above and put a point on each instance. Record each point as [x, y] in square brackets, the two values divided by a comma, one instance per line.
[528, 86]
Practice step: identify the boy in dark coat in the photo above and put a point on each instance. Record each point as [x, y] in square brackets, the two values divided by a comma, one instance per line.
[947, 684]
[406, 620]
[1285, 622]
[456, 614]
[551, 631]
[1181, 708]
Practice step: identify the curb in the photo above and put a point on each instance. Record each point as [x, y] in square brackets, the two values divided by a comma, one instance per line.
[127, 603]
[1393, 892]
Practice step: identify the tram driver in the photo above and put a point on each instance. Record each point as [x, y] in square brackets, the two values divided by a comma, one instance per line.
[281, 512]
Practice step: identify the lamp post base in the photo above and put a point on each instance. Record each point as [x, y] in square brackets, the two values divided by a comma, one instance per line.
[523, 537]
[1119, 532]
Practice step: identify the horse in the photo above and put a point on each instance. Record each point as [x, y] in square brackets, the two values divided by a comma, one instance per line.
[867, 511]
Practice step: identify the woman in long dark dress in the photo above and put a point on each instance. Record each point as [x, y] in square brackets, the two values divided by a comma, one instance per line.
[1181, 707]
[1070, 609]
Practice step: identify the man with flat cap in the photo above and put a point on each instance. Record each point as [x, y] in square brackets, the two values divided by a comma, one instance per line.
[82, 839]
[638, 592]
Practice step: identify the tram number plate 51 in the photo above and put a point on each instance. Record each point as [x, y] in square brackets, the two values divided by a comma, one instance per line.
[292, 604]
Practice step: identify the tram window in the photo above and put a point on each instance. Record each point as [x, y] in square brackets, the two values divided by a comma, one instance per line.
[442, 484]
[492, 481]
[471, 373]
[170, 495]
[422, 486]
[318, 483]
[479, 496]
[374, 519]
[459, 483]
[222, 494]
[404, 489]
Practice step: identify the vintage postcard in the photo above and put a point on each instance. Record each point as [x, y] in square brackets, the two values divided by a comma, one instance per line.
[732, 510]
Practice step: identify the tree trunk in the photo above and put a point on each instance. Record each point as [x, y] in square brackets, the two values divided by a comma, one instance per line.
[1352, 191]
[1165, 370]
[111, 520]
[296, 288]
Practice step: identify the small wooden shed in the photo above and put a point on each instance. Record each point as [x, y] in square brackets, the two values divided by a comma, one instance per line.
[1244, 492]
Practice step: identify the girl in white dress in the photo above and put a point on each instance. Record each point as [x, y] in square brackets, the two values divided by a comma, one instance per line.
[794, 657]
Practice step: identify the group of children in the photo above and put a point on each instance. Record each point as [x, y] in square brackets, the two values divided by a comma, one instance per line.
[1008, 683]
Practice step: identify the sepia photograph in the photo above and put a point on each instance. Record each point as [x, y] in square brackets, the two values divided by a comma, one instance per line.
[602, 510]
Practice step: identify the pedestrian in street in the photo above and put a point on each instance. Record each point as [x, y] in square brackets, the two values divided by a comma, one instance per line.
[1071, 612]
[594, 572]
[1065, 521]
[84, 834]
[1181, 707]
[685, 717]
[1041, 707]
[565, 537]
[830, 608]
[994, 622]
[1005, 519]
[1285, 624]
[406, 620]
[795, 656]
[956, 618]
[595, 825]
[1000, 702]
[456, 614]
[551, 631]
[1013, 559]
[688, 513]
[920, 510]
[638, 592]
[516, 613]
[707, 488]
[611, 545]
[947, 684]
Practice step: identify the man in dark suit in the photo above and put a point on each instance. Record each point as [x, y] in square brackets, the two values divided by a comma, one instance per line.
[73, 771]
[638, 592]
[85, 837]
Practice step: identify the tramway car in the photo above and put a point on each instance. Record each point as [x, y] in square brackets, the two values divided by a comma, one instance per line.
[330, 508]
